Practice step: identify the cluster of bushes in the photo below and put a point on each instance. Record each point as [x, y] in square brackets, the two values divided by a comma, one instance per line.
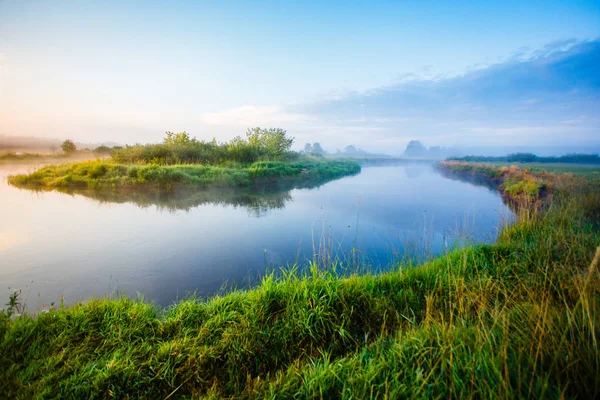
[530, 157]
[180, 148]
[106, 150]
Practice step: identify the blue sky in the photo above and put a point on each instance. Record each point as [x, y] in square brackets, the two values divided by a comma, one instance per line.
[374, 74]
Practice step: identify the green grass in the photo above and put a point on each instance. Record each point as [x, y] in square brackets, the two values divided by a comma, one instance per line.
[104, 174]
[574, 158]
[589, 172]
[516, 319]
[529, 187]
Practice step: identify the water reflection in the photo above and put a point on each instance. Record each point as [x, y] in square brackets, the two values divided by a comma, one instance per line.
[476, 180]
[258, 200]
[413, 171]
[82, 243]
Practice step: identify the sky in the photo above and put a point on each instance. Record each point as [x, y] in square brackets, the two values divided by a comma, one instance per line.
[373, 74]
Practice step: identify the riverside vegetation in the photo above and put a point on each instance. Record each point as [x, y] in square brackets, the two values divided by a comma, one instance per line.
[14, 157]
[264, 156]
[516, 319]
[69, 153]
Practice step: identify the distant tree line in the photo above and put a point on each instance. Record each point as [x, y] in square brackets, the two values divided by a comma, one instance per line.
[416, 149]
[354, 151]
[530, 158]
[179, 148]
[315, 149]
[69, 147]
[106, 150]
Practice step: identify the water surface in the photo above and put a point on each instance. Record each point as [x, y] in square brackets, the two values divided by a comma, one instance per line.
[164, 246]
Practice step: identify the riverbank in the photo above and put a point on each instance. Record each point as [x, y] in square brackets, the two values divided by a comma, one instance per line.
[490, 171]
[518, 318]
[517, 185]
[107, 174]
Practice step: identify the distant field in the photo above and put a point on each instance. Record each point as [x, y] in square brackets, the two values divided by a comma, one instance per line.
[46, 157]
[590, 172]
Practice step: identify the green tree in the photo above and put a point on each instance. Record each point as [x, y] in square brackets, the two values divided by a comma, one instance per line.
[178, 139]
[415, 149]
[273, 142]
[350, 149]
[239, 150]
[102, 149]
[68, 146]
[317, 149]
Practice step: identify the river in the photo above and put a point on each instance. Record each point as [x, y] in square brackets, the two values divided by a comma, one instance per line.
[165, 246]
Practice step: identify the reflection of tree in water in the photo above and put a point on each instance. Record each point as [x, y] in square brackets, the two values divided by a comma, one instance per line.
[478, 180]
[258, 200]
[474, 179]
[415, 170]
[412, 168]
[257, 203]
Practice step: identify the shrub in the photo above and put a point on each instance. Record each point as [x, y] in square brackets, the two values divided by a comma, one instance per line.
[181, 148]
[68, 146]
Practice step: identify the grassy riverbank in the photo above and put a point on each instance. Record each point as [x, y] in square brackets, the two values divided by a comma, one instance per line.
[109, 174]
[519, 318]
[519, 185]
[534, 175]
[264, 156]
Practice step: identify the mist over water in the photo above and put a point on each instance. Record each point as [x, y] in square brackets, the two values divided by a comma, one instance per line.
[80, 244]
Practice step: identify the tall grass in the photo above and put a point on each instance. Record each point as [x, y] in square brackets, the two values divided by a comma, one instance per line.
[516, 319]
